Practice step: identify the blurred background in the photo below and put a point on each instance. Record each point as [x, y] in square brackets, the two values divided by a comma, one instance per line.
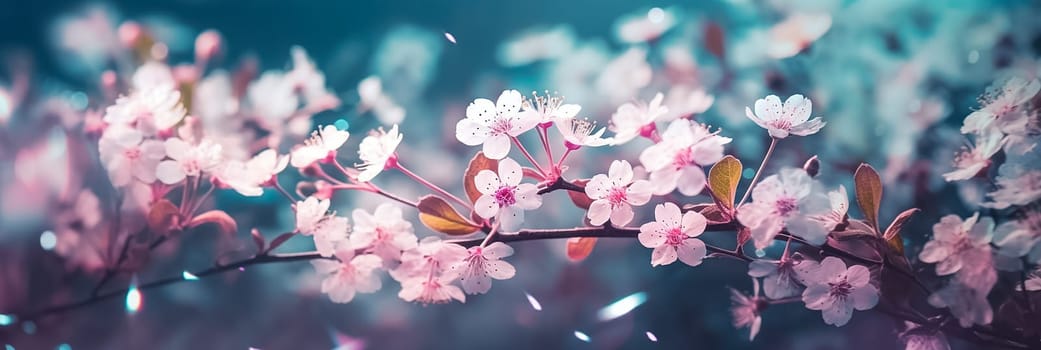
[893, 79]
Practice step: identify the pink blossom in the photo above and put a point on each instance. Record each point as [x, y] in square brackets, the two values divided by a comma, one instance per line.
[504, 197]
[79, 232]
[582, 132]
[372, 97]
[1021, 237]
[644, 26]
[477, 270]
[624, 76]
[790, 199]
[309, 212]
[637, 119]
[493, 124]
[376, 152]
[683, 101]
[836, 291]
[1002, 100]
[793, 117]
[1018, 184]
[672, 235]
[127, 155]
[781, 278]
[614, 194]
[187, 160]
[677, 161]
[839, 200]
[384, 233]
[425, 272]
[747, 310]
[968, 304]
[549, 109]
[309, 81]
[151, 110]
[953, 238]
[272, 99]
[917, 337]
[248, 178]
[153, 75]
[330, 234]
[322, 146]
[348, 276]
[974, 158]
[436, 290]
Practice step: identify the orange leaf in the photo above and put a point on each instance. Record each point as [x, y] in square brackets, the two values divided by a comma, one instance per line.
[439, 216]
[869, 193]
[163, 217]
[579, 248]
[478, 163]
[580, 199]
[892, 235]
[723, 179]
[224, 221]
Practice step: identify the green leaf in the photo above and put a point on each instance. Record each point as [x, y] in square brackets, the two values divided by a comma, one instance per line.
[869, 193]
[723, 179]
[439, 216]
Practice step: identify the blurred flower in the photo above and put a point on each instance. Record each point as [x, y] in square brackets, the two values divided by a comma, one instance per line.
[348, 276]
[644, 26]
[477, 270]
[625, 75]
[376, 152]
[672, 235]
[372, 97]
[917, 337]
[1021, 237]
[632, 120]
[493, 124]
[153, 75]
[952, 237]
[1017, 184]
[248, 178]
[836, 291]
[322, 146]
[384, 233]
[187, 160]
[789, 199]
[677, 161]
[796, 33]
[310, 212]
[1001, 103]
[330, 234]
[968, 304]
[579, 132]
[272, 99]
[781, 278]
[435, 290]
[793, 117]
[684, 102]
[152, 110]
[536, 45]
[614, 194]
[425, 273]
[504, 197]
[747, 310]
[839, 206]
[127, 155]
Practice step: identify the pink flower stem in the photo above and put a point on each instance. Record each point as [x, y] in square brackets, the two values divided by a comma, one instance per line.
[544, 137]
[350, 175]
[431, 185]
[202, 199]
[528, 155]
[491, 233]
[758, 172]
[562, 157]
[380, 191]
[283, 191]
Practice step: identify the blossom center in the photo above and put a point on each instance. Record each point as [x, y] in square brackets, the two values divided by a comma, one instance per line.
[675, 236]
[840, 289]
[786, 206]
[617, 195]
[782, 123]
[501, 126]
[132, 153]
[683, 158]
[506, 196]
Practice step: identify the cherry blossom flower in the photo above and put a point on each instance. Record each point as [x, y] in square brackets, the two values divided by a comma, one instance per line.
[581, 132]
[952, 238]
[796, 33]
[310, 212]
[548, 109]
[1001, 101]
[683, 102]
[151, 111]
[436, 290]
[309, 81]
[673, 234]
[614, 194]
[747, 310]
[836, 291]
[477, 270]
[793, 117]
[781, 278]
[644, 26]
[839, 200]
[153, 75]
[1018, 184]
[625, 75]
[535, 45]
[350, 275]
[272, 99]
[974, 158]
[966, 303]
[917, 337]
[127, 155]
[188, 160]
[384, 233]
[425, 272]
[1021, 237]
[677, 161]
[372, 97]
[376, 152]
[637, 119]
[322, 146]
[248, 178]
[504, 197]
[789, 199]
[78, 231]
[330, 234]
[493, 124]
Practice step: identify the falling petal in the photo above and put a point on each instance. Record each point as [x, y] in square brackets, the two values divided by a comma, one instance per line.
[450, 37]
[621, 307]
[133, 299]
[582, 336]
[652, 337]
[29, 327]
[534, 302]
[188, 276]
[48, 240]
[242, 269]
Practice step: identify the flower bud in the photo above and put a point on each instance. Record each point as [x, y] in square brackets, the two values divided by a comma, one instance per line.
[812, 166]
[207, 45]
